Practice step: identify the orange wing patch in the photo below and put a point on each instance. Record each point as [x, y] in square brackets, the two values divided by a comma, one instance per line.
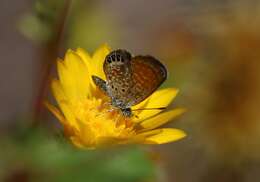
[148, 75]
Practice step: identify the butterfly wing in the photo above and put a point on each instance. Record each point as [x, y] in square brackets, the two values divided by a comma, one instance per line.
[131, 80]
[117, 68]
[147, 75]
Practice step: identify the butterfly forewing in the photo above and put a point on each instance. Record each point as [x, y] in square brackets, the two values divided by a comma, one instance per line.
[147, 75]
[117, 68]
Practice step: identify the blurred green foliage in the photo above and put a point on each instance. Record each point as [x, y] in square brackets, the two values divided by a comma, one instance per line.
[38, 25]
[37, 156]
[84, 25]
[90, 28]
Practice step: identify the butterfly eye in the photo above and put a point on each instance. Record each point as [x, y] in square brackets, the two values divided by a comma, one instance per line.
[112, 86]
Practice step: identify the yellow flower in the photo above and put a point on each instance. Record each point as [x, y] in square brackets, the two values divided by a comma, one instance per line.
[89, 120]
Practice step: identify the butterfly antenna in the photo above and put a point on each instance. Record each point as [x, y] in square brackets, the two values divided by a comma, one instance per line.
[158, 108]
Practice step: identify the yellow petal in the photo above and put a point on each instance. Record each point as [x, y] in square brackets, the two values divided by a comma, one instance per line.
[87, 60]
[66, 80]
[74, 76]
[161, 119]
[98, 60]
[76, 141]
[165, 135]
[63, 102]
[78, 71]
[161, 98]
[140, 138]
[86, 133]
[84, 56]
[140, 106]
[55, 112]
[103, 142]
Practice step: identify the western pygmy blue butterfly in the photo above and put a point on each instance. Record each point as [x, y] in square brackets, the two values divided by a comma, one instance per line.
[130, 80]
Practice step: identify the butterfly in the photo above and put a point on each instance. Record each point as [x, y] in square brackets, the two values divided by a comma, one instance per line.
[130, 80]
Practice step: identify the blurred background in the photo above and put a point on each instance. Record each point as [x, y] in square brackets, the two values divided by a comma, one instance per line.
[211, 50]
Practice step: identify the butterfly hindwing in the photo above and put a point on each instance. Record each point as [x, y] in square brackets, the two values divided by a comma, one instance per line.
[147, 75]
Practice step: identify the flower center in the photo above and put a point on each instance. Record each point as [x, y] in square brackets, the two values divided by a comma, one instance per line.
[103, 121]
